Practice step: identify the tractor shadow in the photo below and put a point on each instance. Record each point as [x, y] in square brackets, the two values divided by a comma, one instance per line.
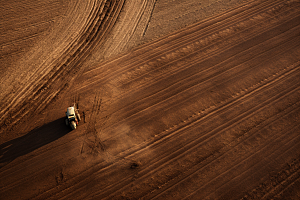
[33, 140]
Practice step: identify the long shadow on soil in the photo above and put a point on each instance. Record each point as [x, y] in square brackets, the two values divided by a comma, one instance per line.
[35, 139]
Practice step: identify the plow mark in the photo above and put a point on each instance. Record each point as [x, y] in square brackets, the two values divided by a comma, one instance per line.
[92, 139]
[276, 183]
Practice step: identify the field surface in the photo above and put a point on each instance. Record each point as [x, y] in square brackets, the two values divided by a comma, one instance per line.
[178, 99]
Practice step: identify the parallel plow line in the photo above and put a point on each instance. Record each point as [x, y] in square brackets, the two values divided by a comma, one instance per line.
[178, 88]
[129, 153]
[172, 47]
[190, 145]
[97, 29]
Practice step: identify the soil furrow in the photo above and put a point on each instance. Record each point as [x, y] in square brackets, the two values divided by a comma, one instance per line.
[180, 47]
[279, 143]
[210, 111]
[156, 144]
[188, 148]
[234, 163]
[192, 82]
[67, 67]
[181, 40]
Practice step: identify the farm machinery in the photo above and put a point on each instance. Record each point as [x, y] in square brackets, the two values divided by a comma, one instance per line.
[72, 117]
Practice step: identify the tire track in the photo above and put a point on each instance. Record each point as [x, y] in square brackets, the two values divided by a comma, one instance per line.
[276, 183]
[188, 148]
[127, 30]
[155, 114]
[253, 86]
[206, 45]
[184, 43]
[144, 32]
[290, 183]
[248, 146]
[120, 156]
[278, 139]
[140, 95]
[98, 174]
[94, 142]
[93, 35]
[214, 41]
[179, 39]
[179, 87]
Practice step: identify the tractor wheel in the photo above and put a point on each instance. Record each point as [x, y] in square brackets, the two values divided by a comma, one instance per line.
[67, 122]
[73, 125]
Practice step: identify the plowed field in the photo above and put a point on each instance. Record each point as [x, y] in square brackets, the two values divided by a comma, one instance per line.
[203, 103]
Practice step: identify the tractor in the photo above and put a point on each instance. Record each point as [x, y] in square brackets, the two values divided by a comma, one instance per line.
[72, 117]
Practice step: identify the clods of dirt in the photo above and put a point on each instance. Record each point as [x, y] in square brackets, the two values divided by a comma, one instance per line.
[135, 165]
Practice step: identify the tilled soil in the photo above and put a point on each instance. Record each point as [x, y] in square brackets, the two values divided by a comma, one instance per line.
[210, 111]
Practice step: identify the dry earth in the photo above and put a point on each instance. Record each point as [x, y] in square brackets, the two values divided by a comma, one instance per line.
[179, 99]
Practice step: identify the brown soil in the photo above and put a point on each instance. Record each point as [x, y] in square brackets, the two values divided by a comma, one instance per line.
[178, 99]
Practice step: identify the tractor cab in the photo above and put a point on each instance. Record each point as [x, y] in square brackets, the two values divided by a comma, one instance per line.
[70, 113]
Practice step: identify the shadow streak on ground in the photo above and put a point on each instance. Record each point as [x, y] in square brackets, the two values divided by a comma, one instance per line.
[35, 139]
